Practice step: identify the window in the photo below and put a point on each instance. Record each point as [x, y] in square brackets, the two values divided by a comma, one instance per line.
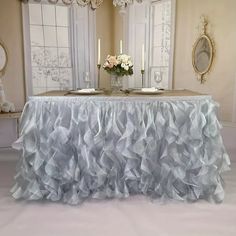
[53, 43]
[50, 47]
[152, 23]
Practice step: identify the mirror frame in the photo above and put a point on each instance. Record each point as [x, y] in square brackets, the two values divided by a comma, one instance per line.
[2, 70]
[204, 35]
[203, 73]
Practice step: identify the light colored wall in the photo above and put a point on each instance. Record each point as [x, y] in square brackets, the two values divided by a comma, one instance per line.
[221, 14]
[11, 35]
[105, 31]
[221, 80]
[118, 34]
[13, 80]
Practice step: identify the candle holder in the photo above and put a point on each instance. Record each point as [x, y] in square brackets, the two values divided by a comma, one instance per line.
[99, 69]
[142, 73]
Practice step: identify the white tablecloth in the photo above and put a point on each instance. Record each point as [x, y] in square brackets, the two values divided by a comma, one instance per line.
[75, 148]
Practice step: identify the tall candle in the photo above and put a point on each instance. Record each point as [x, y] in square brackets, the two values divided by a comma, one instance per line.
[121, 47]
[143, 58]
[99, 51]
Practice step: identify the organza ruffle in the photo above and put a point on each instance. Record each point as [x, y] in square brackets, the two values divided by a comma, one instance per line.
[78, 148]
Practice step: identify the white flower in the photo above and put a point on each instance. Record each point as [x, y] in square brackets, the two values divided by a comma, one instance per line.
[123, 65]
[130, 63]
[126, 68]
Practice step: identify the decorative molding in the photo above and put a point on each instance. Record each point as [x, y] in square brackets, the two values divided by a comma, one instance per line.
[228, 124]
[9, 154]
[93, 3]
[124, 3]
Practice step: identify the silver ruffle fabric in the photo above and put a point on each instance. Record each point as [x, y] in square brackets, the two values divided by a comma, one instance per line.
[74, 148]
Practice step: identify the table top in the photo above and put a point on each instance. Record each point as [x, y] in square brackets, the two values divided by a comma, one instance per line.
[108, 93]
[10, 115]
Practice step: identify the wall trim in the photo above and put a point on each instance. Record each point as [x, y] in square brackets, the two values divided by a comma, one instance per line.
[228, 124]
[9, 154]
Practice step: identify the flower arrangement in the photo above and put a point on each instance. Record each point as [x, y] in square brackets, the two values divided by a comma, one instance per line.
[120, 65]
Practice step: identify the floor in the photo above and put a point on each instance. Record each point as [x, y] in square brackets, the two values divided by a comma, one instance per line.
[136, 216]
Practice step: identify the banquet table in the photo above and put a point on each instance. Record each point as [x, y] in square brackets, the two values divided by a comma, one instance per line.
[166, 146]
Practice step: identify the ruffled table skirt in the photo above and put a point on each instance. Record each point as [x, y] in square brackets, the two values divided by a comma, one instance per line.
[75, 148]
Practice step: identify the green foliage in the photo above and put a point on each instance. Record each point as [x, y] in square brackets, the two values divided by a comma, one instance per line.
[119, 71]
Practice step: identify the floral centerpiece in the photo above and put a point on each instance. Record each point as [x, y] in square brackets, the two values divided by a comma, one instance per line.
[117, 67]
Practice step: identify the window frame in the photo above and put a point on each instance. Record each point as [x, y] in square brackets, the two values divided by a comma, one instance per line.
[172, 42]
[129, 36]
[89, 52]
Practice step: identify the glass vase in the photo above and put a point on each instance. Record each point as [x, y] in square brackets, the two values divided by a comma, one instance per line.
[116, 83]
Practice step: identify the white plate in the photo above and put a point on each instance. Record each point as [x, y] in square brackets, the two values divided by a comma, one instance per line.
[139, 91]
[84, 92]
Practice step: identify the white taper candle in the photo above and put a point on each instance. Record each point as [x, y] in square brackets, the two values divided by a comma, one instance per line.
[121, 47]
[99, 51]
[143, 58]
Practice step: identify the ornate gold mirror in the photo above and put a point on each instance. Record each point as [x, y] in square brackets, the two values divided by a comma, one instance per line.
[3, 59]
[202, 55]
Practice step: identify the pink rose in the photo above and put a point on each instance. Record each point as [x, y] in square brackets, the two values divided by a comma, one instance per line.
[112, 61]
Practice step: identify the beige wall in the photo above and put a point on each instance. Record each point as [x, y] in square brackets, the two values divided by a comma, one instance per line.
[221, 80]
[11, 36]
[222, 17]
[110, 30]
[118, 34]
[105, 31]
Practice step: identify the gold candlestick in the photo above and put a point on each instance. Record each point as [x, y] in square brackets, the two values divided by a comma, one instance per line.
[142, 72]
[99, 69]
